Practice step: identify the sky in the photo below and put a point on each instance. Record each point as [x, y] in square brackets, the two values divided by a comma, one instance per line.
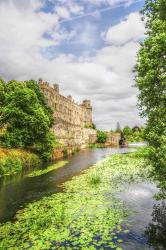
[89, 47]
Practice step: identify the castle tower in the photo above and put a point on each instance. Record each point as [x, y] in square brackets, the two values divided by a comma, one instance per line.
[56, 87]
[88, 111]
[70, 97]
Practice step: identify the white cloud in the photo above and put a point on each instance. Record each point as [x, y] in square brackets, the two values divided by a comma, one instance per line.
[105, 78]
[131, 29]
[108, 2]
[76, 8]
[62, 12]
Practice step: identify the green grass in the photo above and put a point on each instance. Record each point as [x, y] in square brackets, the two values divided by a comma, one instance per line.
[84, 216]
[50, 168]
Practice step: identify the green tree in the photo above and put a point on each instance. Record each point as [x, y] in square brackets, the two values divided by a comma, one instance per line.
[101, 136]
[2, 94]
[27, 118]
[35, 87]
[127, 131]
[151, 81]
[132, 134]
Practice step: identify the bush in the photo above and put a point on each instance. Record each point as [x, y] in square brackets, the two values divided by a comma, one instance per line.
[14, 161]
[92, 125]
[101, 136]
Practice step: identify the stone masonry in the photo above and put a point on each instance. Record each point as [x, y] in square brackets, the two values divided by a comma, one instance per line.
[70, 118]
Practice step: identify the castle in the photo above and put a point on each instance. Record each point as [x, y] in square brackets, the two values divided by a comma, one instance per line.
[72, 121]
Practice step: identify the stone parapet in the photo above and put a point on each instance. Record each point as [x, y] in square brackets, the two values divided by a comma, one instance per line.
[70, 118]
[65, 108]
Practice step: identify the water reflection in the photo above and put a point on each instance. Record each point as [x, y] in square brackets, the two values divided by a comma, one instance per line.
[156, 230]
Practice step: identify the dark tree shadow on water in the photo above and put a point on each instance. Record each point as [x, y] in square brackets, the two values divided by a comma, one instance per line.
[156, 230]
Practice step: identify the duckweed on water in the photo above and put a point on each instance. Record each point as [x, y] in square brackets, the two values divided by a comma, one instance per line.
[39, 172]
[84, 216]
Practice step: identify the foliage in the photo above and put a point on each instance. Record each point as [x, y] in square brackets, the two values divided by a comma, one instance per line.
[151, 81]
[92, 125]
[46, 145]
[12, 161]
[2, 93]
[75, 150]
[96, 145]
[52, 167]
[27, 118]
[84, 216]
[93, 145]
[101, 136]
[10, 166]
[35, 87]
[95, 178]
[132, 135]
[156, 230]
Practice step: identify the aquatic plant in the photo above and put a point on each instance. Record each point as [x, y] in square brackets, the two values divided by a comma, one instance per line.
[52, 167]
[84, 216]
[97, 145]
[94, 178]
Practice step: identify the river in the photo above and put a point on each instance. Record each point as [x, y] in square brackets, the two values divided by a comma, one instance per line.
[19, 190]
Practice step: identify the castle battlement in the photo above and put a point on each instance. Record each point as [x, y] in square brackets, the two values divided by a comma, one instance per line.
[70, 118]
[65, 109]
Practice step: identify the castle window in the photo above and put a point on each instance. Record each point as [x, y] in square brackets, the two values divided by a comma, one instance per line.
[60, 107]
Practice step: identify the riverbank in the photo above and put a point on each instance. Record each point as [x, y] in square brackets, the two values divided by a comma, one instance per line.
[13, 161]
[86, 215]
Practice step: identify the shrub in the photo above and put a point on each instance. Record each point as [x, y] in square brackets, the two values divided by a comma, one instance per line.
[14, 161]
[101, 136]
[91, 125]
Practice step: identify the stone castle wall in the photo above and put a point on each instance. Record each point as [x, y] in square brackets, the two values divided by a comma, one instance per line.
[70, 117]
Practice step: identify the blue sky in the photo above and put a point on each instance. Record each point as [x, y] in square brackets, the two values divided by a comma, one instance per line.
[95, 19]
[88, 46]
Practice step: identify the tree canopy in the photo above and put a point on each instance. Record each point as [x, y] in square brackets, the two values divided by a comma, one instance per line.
[151, 81]
[132, 134]
[101, 136]
[26, 117]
